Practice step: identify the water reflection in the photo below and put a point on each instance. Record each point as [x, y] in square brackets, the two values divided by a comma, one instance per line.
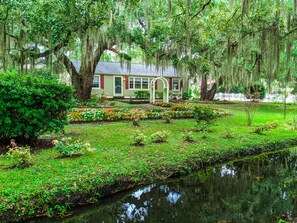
[255, 190]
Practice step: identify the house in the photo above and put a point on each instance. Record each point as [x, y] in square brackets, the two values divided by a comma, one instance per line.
[116, 80]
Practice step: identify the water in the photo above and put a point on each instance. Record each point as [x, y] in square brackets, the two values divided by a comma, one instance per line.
[259, 189]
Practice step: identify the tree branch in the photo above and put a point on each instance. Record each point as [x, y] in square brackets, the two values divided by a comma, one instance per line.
[67, 63]
[121, 54]
[201, 10]
[52, 50]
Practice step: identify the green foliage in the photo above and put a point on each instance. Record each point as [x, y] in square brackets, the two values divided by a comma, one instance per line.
[21, 155]
[186, 96]
[166, 116]
[259, 129]
[138, 138]
[159, 94]
[137, 115]
[164, 104]
[237, 89]
[229, 135]
[293, 123]
[203, 113]
[141, 94]
[204, 118]
[31, 192]
[250, 109]
[204, 126]
[160, 136]
[71, 149]
[256, 91]
[221, 89]
[195, 94]
[188, 136]
[95, 100]
[30, 106]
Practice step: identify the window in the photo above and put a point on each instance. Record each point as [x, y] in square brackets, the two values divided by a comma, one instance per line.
[138, 83]
[131, 83]
[96, 81]
[175, 84]
[144, 83]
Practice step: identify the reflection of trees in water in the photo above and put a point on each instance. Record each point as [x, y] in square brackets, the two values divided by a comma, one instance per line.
[254, 190]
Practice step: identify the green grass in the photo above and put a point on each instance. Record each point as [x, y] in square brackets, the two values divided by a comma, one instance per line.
[48, 187]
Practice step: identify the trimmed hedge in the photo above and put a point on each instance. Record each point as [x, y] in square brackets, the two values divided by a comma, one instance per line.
[30, 106]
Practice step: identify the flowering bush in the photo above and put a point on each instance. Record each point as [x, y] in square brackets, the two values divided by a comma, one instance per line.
[188, 136]
[160, 136]
[136, 116]
[166, 116]
[117, 114]
[21, 155]
[70, 149]
[163, 104]
[138, 138]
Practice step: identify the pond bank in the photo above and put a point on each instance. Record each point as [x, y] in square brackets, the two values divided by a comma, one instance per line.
[52, 187]
[66, 201]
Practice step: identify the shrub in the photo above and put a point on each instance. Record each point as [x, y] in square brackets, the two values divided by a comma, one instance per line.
[30, 106]
[21, 155]
[185, 96]
[259, 129]
[188, 136]
[166, 116]
[250, 109]
[160, 136]
[195, 93]
[221, 89]
[141, 94]
[136, 116]
[138, 139]
[163, 104]
[203, 126]
[95, 100]
[203, 113]
[255, 92]
[159, 94]
[71, 149]
[229, 135]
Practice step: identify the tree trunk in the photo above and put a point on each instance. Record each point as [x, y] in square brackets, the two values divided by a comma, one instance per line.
[82, 80]
[208, 95]
[203, 90]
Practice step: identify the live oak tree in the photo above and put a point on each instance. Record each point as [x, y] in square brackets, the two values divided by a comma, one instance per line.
[236, 41]
[50, 30]
[233, 41]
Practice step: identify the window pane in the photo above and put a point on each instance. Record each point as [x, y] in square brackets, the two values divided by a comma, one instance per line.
[96, 82]
[137, 83]
[131, 82]
[175, 84]
[144, 83]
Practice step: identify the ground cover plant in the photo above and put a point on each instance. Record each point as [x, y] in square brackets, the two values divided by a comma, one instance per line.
[52, 186]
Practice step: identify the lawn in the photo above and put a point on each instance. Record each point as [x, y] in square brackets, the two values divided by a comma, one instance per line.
[53, 185]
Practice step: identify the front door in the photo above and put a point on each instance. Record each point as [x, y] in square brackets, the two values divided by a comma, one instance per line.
[118, 86]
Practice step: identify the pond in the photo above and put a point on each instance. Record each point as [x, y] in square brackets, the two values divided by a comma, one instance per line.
[257, 189]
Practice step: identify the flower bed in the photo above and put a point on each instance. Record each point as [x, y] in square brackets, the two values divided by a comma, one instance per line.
[118, 114]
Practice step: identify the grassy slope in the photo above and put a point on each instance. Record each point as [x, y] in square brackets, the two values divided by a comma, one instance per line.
[42, 187]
